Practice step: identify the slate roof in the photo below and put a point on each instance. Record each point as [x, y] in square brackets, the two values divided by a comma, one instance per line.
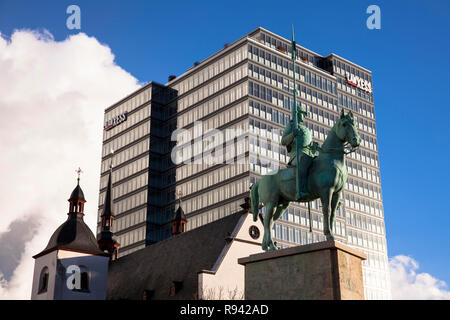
[108, 208]
[73, 235]
[179, 258]
[179, 214]
[77, 193]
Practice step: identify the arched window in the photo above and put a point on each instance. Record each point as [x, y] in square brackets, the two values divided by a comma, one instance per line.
[85, 278]
[43, 280]
[81, 279]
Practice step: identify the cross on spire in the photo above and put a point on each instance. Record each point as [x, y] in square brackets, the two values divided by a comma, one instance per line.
[180, 194]
[112, 156]
[79, 172]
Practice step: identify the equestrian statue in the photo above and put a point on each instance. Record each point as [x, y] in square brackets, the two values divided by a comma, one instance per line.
[307, 177]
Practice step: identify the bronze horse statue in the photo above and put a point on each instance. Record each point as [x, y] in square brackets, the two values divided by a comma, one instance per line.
[326, 179]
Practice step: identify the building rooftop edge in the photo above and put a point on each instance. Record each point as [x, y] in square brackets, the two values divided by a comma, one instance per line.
[145, 86]
[221, 51]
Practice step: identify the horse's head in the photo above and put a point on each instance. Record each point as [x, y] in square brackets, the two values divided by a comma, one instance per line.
[346, 131]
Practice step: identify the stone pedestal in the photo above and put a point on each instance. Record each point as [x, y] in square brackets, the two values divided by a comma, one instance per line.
[326, 270]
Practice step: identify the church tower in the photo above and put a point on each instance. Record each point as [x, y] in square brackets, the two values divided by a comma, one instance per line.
[106, 242]
[179, 222]
[71, 267]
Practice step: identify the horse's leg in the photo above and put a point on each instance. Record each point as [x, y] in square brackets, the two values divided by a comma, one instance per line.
[334, 203]
[325, 197]
[280, 210]
[268, 224]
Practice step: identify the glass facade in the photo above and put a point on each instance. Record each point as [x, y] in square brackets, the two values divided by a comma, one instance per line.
[246, 92]
[323, 89]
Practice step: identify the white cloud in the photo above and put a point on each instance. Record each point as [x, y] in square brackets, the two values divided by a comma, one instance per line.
[52, 98]
[407, 284]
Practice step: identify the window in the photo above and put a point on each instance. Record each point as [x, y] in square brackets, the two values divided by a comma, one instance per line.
[84, 280]
[43, 280]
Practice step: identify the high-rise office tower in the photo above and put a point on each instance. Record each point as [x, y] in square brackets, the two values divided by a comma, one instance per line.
[241, 98]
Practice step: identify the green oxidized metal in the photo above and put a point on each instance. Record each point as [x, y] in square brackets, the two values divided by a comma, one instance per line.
[324, 177]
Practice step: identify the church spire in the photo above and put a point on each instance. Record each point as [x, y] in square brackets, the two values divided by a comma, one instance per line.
[77, 200]
[179, 222]
[106, 242]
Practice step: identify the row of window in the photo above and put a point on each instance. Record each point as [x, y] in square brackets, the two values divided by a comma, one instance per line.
[345, 86]
[257, 54]
[285, 101]
[364, 172]
[287, 84]
[125, 155]
[375, 261]
[125, 171]
[130, 185]
[217, 103]
[211, 197]
[320, 115]
[132, 119]
[376, 279]
[330, 118]
[211, 70]
[365, 223]
[278, 63]
[211, 178]
[126, 138]
[187, 170]
[342, 68]
[213, 148]
[300, 216]
[364, 156]
[203, 126]
[366, 110]
[366, 240]
[129, 105]
[276, 44]
[215, 86]
[294, 235]
[314, 113]
[368, 142]
[129, 220]
[263, 167]
[367, 126]
[262, 146]
[125, 252]
[363, 205]
[131, 237]
[317, 205]
[373, 294]
[262, 129]
[213, 214]
[260, 150]
[131, 202]
[356, 106]
[268, 113]
[295, 211]
[269, 95]
[363, 188]
[317, 97]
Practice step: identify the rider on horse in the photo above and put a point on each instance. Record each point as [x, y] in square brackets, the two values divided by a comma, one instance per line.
[306, 154]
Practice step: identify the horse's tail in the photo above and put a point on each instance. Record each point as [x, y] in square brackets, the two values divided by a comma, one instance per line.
[254, 196]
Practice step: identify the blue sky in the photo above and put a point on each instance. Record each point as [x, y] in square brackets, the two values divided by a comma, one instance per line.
[408, 58]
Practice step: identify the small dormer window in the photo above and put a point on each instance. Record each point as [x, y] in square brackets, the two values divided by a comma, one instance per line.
[175, 287]
[148, 294]
[43, 280]
[84, 280]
